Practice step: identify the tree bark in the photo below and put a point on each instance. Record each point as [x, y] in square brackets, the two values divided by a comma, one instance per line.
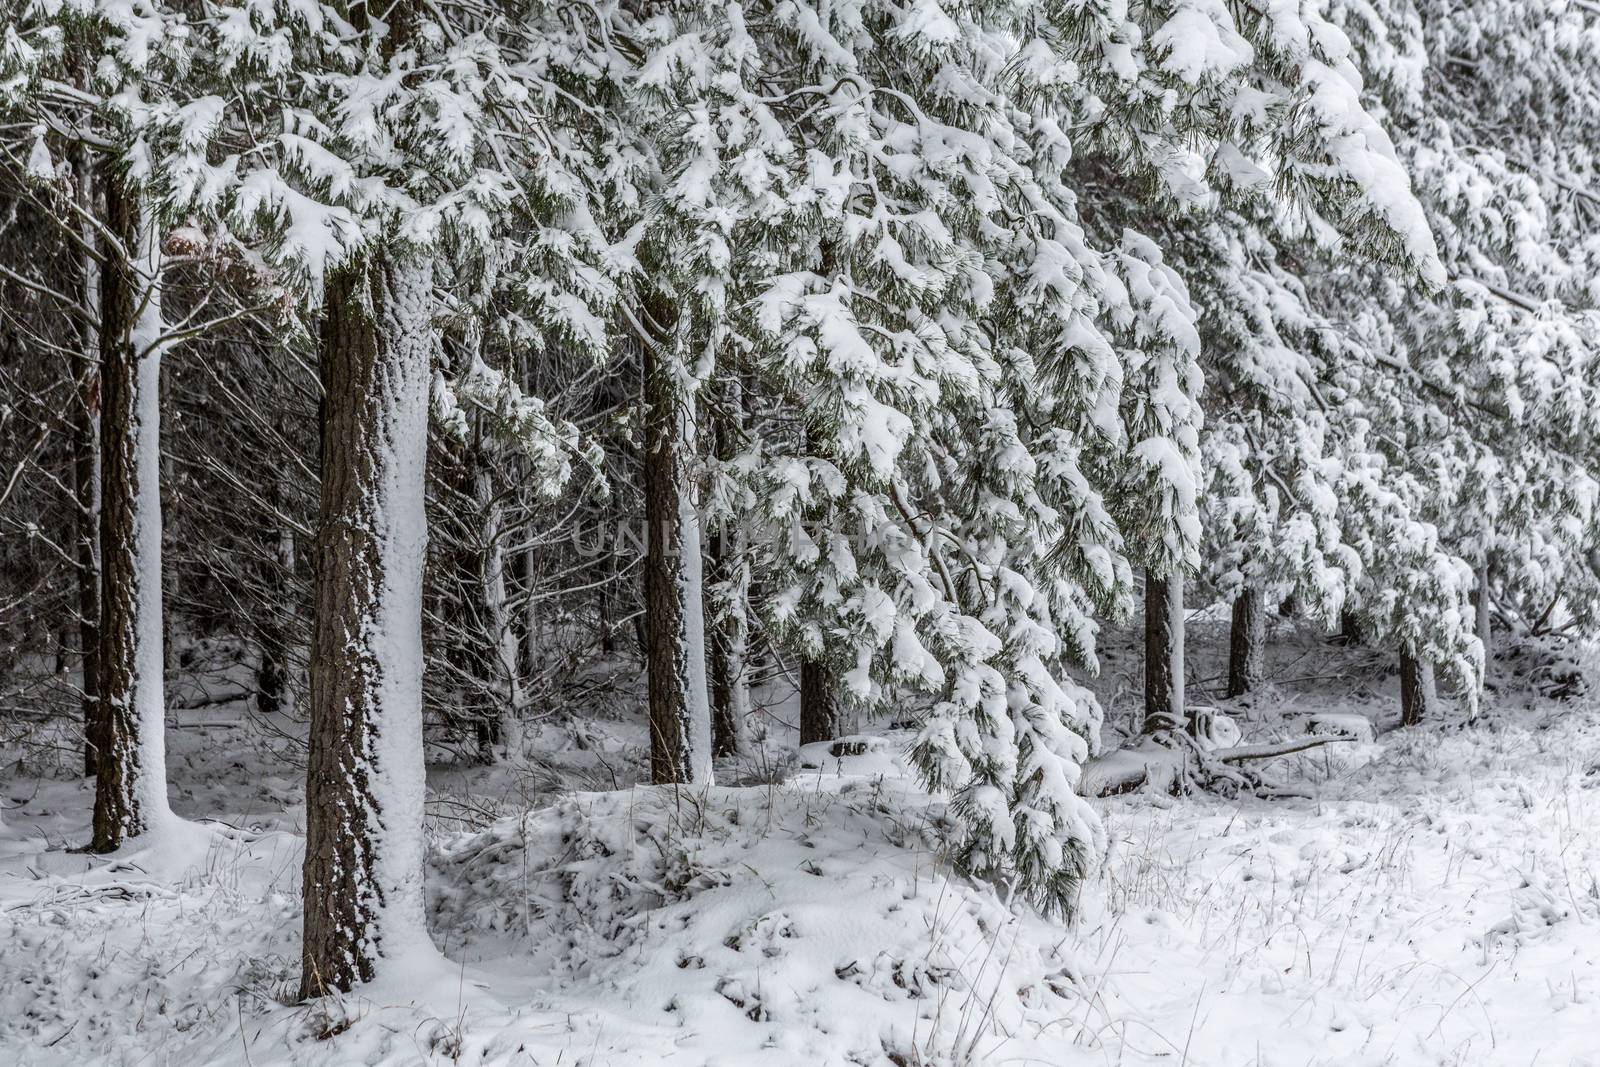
[821, 717]
[274, 688]
[1418, 698]
[131, 783]
[680, 714]
[1163, 653]
[496, 610]
[727, 596]
[365, 776]
[169, 570]
[86, 484]
[1482, 603]
[1247, 651]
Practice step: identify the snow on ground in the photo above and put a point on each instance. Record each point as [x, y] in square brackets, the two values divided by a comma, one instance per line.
[1432, 899]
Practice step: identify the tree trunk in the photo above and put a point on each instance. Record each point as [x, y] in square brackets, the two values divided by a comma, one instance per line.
[1482, 603]
[1418, 698]
[86, 485]
[1247, 650]
[727, 595]
[496, 609]
[1163, 653]
[274, 688]
[680, 715]
[821, 717]
[131, 783]
[169, 570]
[730, 685]
[365, 775]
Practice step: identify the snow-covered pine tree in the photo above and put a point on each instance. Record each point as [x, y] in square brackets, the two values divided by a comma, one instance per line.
[131, 770]
[1499, 128]
[994, 409]
[121, 60]
[368, 160]
[1468, 418]
[1290, 466]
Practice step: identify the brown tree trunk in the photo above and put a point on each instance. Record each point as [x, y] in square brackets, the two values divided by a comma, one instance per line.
[130, 783]
[1247, 649]
[1482, 603]
[274, 689]
[169, 569]
[1163, 653]
[365, 775]
[86, 485]
[1417, 695]
[680, 727]
[726, 600]
[821, 717]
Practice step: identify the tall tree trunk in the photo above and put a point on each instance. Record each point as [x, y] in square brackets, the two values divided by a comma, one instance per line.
[365, 775]
[1163, 653]
[86, 482]
[169, 512]
[497, 612]
[131, 783]
[821, 716]
[274, 688]
[727, 595]
[1247, 649]
[680, 713]
[726, 651]
[1418, 698]
[1482, 603]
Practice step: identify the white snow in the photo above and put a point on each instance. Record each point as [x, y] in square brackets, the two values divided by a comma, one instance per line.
[148, 695]
[395, 769]
[1432, 901]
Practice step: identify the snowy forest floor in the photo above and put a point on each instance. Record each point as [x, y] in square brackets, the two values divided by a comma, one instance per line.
[1429, 897]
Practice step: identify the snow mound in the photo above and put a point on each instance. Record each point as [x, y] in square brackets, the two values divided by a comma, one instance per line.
[811, 922]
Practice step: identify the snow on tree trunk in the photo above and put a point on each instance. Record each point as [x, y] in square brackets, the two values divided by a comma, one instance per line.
[131, 783]
[86, 480]
[365, 776]
[1247, 650]
[680, 713]
[1418, 698]
[1163, 652]
[492, 587]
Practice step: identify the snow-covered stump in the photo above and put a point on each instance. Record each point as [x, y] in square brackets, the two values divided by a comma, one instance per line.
[1163, 652]
[680, 712]
[365, 776]
[1247, 647]
[131, 773]
[1418, 697]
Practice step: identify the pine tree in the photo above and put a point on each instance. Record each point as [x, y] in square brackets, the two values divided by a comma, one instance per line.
[124, 56]
[131, 779]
